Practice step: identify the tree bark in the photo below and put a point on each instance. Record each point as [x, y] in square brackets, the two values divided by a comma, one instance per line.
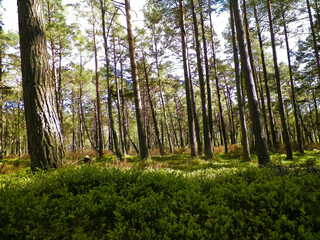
[43, 127]
[285, 134]
[153, 112]
[144, 153]
[314, 38]
[209, 101]
[293, 95]
[244, 137]
[265, 77]
[206, 133]
[186, 79]
[222, 122]
[260, 141]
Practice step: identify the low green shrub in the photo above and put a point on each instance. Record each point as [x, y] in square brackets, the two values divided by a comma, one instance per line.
[107, 203]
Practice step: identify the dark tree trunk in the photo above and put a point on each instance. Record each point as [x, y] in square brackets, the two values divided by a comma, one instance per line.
[206, 133]
[99, 131]
[179, 122]
[223, 132]
[317, 113]
[265, 77]
[260, 141]
[244, 137]
[194, 113]
[314, 38]
[43, 126]
[285, 134]
[209, 101]
[187, 80]
[163, 101]
[144, 153]
[153, 112]
[106, 49]
[293, 95]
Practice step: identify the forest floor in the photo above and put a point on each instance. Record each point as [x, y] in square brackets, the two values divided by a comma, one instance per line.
[171, 197]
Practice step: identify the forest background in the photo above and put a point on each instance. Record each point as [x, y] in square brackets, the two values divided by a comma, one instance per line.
[82, 74]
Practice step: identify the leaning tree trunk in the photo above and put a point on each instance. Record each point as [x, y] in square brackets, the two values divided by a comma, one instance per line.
[285, 134]
[43, 126]
[244, 136]
[314, 38]
[300, 147]
[260, 141]
[265, 77]
[222, 123]
[206, 133]
[153, 112]
[186, 79]
[206, 61]
[144, 153]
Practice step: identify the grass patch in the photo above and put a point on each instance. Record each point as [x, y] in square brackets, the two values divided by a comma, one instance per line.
[94, 202]
[172, 197]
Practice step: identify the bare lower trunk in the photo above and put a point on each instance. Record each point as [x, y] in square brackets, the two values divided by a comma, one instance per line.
[43, 126]
[285, 134]
[260, 141]
[144, 153]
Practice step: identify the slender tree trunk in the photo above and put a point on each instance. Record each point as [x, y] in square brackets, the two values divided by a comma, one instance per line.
[244, 137]
[124, 126]
[222, 122]
[209, 101]
[98, 102]
[186, 79]
[179, 122]
[265, 77]
[144, 153]
[285, 134]
[260, 141]
[81, 114]
[194, 113]
[153, 112]
[230, 111]
[43, 126]
[1, 101]
[118, 103]
[162, 100]
[314, 38]
[317, 113]
[206, 133]
[293, 95]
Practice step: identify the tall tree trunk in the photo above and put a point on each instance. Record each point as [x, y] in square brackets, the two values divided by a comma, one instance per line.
[223, 131]
[293, 95]
[153, 112]
[265, 77]
[244, 137]
[110, 109]
[144, 153]
[230, 111]
[204, 42]
[179, 122]
[206, 133]
[285, 134]
[43, 126]
[98, 102]
[1, 101]
[186, 79]
[194, 112]
[162, 100]
[260, 141]
[124, 126]
[317, 113]
[314, 38]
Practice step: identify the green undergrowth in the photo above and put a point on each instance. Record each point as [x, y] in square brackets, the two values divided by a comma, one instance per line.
[98, 202]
